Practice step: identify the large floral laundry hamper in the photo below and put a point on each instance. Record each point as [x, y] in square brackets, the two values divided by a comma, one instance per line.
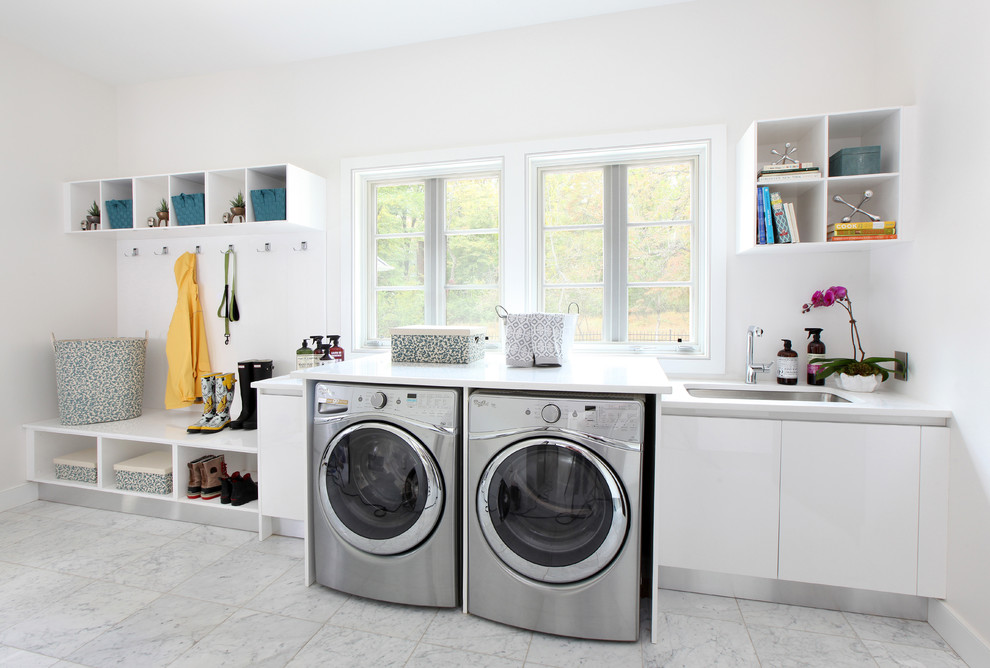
[99, 380]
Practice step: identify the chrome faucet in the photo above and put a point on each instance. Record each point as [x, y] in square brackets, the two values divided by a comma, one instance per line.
[753, 368]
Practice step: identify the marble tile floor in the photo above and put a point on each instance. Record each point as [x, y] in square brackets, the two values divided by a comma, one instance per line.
[85, 587]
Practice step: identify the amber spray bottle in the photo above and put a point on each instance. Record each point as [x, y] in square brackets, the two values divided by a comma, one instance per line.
[816, 352]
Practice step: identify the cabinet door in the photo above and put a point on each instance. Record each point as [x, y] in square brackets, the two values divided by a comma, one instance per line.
[849, 505]
[717, 483]
[282, 456]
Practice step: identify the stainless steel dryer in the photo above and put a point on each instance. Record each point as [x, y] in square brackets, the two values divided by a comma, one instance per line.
[554, 526]
[385, 510]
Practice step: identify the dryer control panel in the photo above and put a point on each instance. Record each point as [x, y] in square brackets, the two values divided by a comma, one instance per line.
[430, 405]
[620, 419]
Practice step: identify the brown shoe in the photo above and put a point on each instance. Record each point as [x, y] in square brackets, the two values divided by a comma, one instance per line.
[196, 477]
[212, 470]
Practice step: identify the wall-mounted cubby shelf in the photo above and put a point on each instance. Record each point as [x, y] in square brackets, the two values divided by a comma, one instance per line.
[817, 138]
[305, 201]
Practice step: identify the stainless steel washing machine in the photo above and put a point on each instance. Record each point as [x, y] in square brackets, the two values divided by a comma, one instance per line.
[554, 527]
[386, 522]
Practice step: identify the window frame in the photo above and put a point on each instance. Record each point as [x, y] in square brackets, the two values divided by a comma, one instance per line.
[519, 238]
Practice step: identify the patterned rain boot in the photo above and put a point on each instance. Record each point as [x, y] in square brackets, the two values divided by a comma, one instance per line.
[223, 394]
[196, 477]
[207, 386]
[212, 470]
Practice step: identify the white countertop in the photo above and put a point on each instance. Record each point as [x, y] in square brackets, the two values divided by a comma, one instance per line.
[630, 374]
[883, 406]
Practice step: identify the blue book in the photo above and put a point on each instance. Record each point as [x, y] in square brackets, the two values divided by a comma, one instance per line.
[761, 230]
[767, 215]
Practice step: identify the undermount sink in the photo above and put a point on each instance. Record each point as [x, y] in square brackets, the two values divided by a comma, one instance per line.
[764, 395]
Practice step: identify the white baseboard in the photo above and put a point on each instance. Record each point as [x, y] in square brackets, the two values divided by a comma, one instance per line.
[968, 644]
[18, 496]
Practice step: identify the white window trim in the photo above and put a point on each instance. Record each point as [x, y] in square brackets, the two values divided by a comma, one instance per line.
[519, 239]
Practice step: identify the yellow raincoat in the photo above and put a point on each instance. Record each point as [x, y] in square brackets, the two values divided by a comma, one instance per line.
[185, 348]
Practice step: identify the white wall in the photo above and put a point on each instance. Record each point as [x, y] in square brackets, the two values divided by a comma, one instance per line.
[931, 295]
[56, 126]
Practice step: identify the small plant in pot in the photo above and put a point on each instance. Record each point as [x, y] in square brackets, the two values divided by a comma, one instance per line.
[862, 374]
[237, 205]
[162, 212]
[93, 216]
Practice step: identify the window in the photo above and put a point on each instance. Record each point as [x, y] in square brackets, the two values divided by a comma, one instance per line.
[630, 227]
[432, 252]
[622, 235]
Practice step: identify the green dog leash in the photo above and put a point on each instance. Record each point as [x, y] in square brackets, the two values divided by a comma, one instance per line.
[228, 305]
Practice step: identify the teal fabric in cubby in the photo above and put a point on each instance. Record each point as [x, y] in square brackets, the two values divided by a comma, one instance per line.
[189, 209]
[121, 213]
[269, 204]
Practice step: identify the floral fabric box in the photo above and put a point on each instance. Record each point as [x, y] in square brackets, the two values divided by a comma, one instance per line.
[79, 466]
[418, 344]
[149, 473]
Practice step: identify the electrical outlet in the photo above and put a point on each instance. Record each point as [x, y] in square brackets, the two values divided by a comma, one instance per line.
[902, 373]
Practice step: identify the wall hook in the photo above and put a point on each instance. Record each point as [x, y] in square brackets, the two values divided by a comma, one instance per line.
[133, 253]
[303, 246]
[164, 251]
[230, 247]
[198, 250]
[266, 249]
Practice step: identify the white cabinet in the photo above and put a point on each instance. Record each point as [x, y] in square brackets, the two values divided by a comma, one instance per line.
[282, 455]
[718, 481]
[862, 506]
[305, 201]
[849, 505]
[816, 138]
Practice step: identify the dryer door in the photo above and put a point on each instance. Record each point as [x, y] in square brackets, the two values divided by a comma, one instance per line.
[380, 488]
[552, 510]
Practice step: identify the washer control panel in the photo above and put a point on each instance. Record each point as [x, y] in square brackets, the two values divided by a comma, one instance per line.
[618, 418]
[431, 405]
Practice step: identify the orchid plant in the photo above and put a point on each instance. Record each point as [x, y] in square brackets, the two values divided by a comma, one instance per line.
[863, 366]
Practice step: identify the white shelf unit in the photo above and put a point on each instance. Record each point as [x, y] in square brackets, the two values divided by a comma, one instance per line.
[305, 201]
[158, 430]
[817, 138]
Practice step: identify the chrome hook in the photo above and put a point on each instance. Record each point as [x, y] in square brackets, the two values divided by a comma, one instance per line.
[266, 249]
[303, 246]
[164, 251]
[133, 253]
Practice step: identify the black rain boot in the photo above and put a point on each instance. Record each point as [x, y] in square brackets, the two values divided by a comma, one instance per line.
[262, 371]
[246, 372]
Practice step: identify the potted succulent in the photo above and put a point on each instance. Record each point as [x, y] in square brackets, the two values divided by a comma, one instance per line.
[862, 374]
[162, 212]
[93, 216]
[237, 205]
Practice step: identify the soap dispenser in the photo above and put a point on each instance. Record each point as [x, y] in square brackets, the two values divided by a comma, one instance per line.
[304, 357]
[787, 365]
[336, 352]
[816, 353]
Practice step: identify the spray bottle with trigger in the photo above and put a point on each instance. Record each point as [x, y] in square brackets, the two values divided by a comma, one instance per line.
[816, 352]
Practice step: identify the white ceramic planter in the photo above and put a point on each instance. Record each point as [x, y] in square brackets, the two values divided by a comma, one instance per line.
[858, 383]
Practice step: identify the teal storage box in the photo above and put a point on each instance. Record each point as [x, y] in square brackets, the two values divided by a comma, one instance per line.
[854, 160]
[189, 209]
[79, 466]
[268, 203]
[120, 212]
[437, 344]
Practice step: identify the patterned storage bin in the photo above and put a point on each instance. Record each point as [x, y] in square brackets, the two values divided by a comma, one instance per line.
[121, 213]
[99, 380]
[269, 204]
[150, 473]
[437, 344]
[189, 209]
[79, 466]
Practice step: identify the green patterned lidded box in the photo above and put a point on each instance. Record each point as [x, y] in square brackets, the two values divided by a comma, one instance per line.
[79, 466]
[437, 344]
[150, 473]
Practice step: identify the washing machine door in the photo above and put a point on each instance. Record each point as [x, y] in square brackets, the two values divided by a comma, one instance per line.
[380, 488]
[552, 510]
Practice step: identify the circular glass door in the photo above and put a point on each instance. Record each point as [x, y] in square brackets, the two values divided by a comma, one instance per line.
[380, 488]
[552, 510]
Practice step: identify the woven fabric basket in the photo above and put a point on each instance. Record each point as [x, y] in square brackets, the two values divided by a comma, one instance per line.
[269, 204]
[120, 212]
[99, 380]
[189, 209]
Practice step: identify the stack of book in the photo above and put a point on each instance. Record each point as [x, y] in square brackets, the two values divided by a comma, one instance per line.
[795, 171]
[776, 222]
[868, 231]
